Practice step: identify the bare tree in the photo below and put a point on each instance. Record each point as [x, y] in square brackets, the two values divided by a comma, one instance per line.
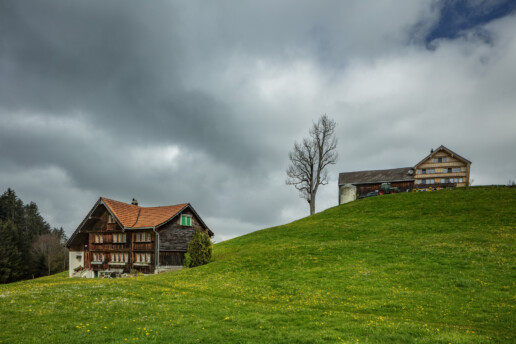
[309, 159]
[50, 248]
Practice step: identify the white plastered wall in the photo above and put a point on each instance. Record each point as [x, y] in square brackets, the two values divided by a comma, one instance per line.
[76, 260]
[348, 193]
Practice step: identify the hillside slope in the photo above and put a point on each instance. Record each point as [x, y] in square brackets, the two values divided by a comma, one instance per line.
[407, 268]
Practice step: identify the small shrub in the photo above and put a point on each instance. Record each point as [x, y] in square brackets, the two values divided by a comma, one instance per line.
[199, 249]
[188, 260]
[135, 272]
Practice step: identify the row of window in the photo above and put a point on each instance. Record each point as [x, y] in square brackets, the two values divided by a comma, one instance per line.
[122, 257]
[186, 220]
[143, 236]
[451, 180]
[444, 170]
[122, 237]
[443, 159]
[119, 237]
[442, 181]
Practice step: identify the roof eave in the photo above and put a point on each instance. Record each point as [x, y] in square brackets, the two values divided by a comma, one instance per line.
[379, 182]
[137, 228]
[77, 230]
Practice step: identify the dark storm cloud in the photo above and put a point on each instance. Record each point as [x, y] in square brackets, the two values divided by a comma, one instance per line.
[200, 101]
[111, 62]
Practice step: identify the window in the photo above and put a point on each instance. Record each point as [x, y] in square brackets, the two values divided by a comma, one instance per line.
[444, 159]
[111, 219]
[143, 257]
[429, 181]
[99, 238]
[419, 171]
[456, 169]
[143, 236]
[444, 180]
[98, 257]
[119, 237]
[186, 220]
[419, 181]
[119, 257]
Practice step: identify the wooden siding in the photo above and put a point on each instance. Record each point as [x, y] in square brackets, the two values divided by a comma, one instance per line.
[441, 171]
[175, 237]
[167, 258]
[364, 189]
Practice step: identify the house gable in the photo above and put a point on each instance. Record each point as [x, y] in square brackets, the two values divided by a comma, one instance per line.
[99, 212]
[441, 151]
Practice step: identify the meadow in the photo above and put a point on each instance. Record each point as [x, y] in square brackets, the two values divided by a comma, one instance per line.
[434, 267]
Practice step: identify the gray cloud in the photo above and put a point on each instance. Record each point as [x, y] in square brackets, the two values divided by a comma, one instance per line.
[200, 102]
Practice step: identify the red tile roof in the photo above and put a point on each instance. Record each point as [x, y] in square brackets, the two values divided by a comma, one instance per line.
[133, 216]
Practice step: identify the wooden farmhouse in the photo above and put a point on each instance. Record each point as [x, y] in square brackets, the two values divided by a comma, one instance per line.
[117, 237]
[442, 168]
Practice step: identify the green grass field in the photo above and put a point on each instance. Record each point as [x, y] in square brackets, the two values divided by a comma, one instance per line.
[436, 267]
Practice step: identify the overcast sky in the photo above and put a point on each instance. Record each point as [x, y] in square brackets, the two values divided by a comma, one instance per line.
[201, 101]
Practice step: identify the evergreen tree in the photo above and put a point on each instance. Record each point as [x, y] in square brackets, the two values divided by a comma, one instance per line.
[207, 246]
[10, 257]
[199, 249]
[21, 226]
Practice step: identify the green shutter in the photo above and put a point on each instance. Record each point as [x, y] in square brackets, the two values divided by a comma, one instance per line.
[186, 220]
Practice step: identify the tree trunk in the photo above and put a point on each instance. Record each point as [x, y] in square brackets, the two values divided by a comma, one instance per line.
[312, 204]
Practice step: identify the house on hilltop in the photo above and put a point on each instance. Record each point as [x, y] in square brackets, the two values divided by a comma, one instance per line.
[440, 169]
[120, 237]
[443, 167]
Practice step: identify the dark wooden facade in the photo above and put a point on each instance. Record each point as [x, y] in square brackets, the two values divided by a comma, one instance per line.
[353, 185]
[403, 186]
[107, 246]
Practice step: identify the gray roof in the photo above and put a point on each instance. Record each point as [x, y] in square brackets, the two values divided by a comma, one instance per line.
[377, 176]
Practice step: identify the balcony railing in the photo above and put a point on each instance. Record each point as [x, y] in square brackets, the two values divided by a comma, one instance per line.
[104, 227]
[149, 246]
[109, 246]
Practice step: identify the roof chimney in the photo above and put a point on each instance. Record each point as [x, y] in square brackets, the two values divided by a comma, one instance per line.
[134, 202]
[431, 151]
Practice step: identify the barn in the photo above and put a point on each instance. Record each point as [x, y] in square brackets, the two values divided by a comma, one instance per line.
[352, 185]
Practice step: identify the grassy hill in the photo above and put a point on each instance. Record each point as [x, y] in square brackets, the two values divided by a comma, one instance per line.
[434, 267]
